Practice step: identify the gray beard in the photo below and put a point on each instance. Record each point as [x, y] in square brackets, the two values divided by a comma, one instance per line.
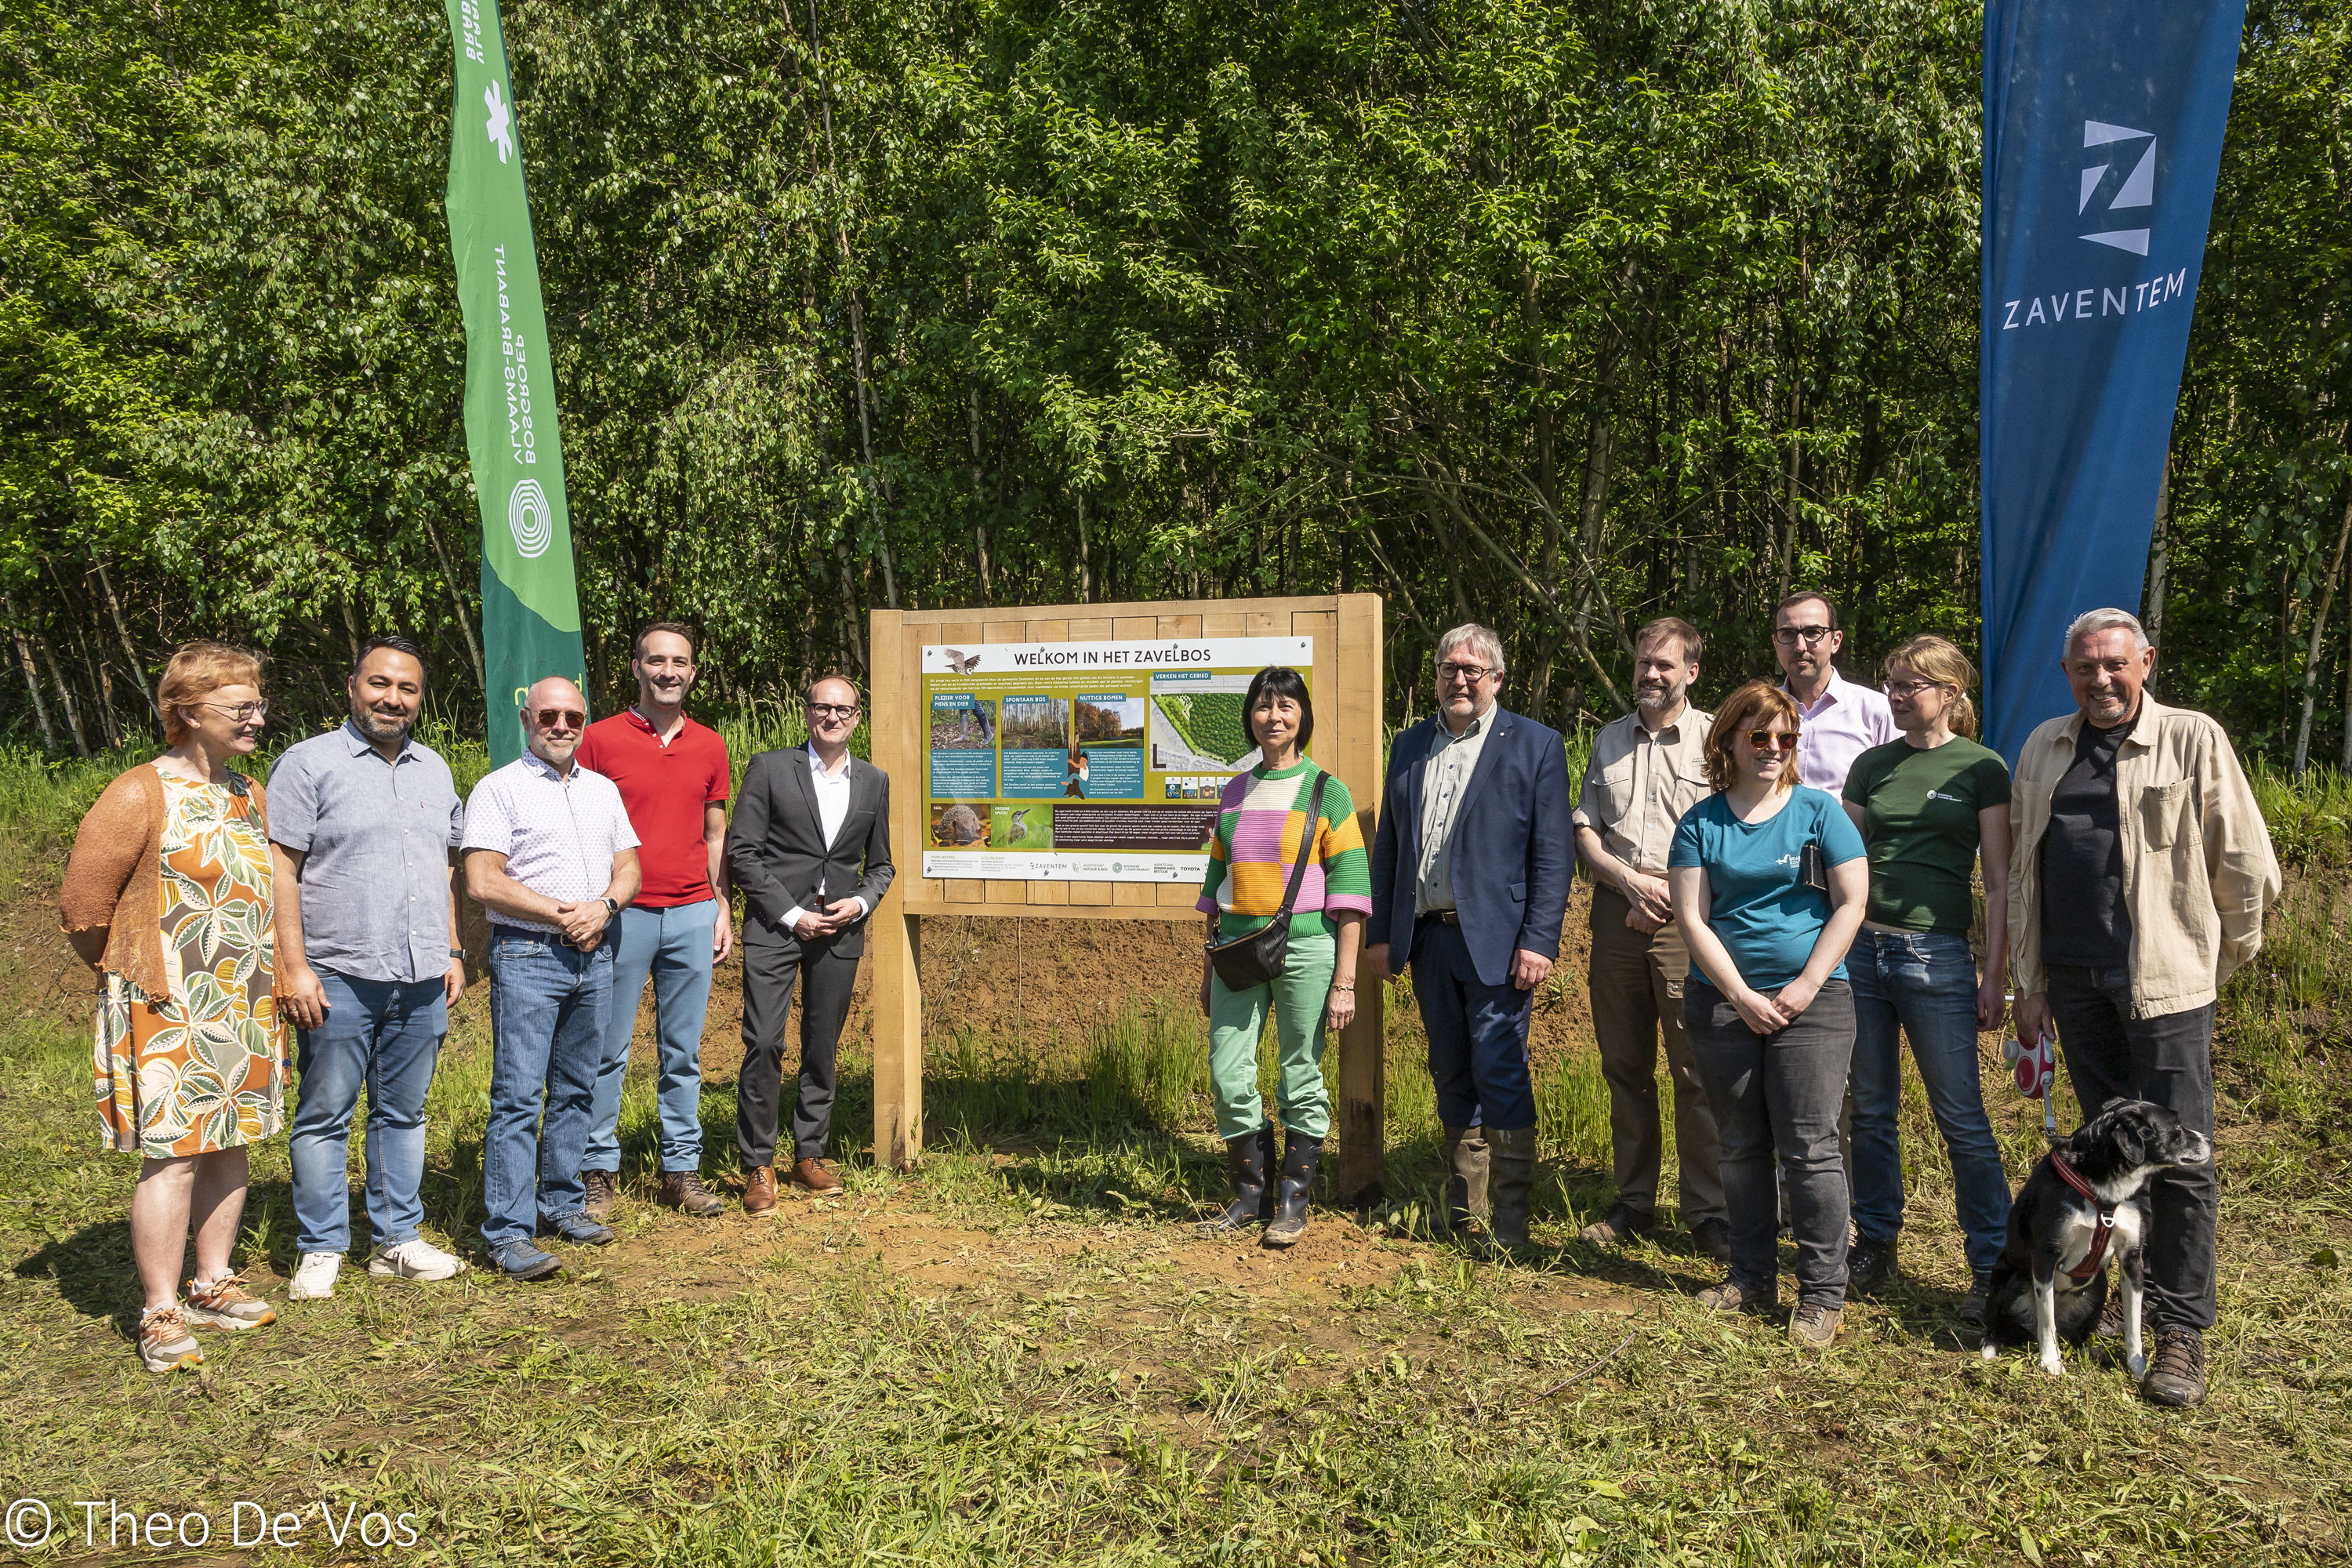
[378, 732]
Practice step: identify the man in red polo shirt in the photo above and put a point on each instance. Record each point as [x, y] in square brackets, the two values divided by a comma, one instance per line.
[672, 774]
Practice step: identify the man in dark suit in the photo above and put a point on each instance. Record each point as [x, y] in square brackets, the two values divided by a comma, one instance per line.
[810, 846]
[1470, 878]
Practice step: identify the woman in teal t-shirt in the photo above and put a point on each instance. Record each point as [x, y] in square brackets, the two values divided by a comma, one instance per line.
[1766, 1010]
[1928, 805]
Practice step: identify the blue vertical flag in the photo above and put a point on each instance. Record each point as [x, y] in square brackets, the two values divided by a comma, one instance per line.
[2102, 144]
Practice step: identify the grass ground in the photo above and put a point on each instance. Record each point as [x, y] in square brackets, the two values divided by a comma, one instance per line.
[1019, 1354]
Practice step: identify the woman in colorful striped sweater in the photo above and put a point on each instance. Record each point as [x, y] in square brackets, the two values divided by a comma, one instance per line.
[1262, 830]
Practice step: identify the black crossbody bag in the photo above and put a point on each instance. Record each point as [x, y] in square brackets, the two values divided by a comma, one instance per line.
[1255, 958]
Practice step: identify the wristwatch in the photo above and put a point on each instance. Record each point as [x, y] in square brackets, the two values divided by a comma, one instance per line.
[457, 952]
[611, 907]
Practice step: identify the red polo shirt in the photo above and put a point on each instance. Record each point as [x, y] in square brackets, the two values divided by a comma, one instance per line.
[666, 788]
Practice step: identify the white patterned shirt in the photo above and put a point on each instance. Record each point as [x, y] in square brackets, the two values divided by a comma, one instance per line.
[559, 832]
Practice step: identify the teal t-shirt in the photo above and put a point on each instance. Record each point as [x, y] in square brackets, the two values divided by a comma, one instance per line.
[1919, 819]
[1766, 917]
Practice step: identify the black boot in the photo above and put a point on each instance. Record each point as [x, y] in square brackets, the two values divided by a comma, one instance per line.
[1247, 1158]
[1289, 1222]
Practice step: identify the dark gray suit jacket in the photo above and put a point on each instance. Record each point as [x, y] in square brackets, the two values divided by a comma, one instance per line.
[776, 843]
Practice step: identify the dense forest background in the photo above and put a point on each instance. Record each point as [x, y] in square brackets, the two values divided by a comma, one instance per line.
[1555, 315]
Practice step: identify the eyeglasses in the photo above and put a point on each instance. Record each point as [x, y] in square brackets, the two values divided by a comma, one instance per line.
[1473, 673]
[1790, 636]
[1772, 740]
[1907, 690]
[561, 718]
[241, 712]
[833, 709]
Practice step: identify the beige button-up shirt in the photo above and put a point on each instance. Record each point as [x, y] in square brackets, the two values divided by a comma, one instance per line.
[1637, 785]
[1443, 777]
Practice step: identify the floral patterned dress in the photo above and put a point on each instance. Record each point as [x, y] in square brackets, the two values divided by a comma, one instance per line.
[203, 1068]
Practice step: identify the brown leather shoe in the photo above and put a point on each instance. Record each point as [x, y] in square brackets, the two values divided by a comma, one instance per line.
[760, 1190]
[809, 1174]
[684, 1190]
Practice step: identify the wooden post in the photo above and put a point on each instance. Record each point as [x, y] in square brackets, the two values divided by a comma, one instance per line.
[1361, 760]
[895, 738]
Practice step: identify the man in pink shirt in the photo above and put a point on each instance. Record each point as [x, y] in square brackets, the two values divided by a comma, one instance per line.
[673, 776]
[1840, 719]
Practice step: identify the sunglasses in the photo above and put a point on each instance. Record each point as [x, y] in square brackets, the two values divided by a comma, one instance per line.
[1772, 740]
[561, 718]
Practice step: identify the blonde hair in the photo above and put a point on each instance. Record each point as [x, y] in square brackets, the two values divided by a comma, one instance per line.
[1753, 706]
[196, 670]
[1933, 658]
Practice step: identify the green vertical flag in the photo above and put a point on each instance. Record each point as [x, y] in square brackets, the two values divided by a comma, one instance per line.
[531, 607]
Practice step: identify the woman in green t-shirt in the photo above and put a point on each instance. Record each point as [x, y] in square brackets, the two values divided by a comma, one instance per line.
[1929, 804]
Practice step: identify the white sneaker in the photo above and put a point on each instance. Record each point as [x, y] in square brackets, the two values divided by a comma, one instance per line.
[414, 1259]
[314, 1278]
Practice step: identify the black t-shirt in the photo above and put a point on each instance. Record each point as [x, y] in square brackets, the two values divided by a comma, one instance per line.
[2083, 922]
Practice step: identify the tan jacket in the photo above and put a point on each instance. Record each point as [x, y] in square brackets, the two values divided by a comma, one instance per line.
[114, 880]
[2197, 867]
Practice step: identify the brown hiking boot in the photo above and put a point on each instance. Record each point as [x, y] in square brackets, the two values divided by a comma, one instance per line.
[760, 1190]
[2176, 1374]
[600, 1188]
[683, 1191]
[811, 1174]
[1815, 1327]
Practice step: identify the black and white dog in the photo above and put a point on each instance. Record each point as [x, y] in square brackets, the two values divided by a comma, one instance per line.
[2085, 1203]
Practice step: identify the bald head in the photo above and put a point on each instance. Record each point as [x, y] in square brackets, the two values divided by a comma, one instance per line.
[554, 714]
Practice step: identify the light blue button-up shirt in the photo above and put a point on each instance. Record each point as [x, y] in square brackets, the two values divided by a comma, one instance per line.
[376, 837]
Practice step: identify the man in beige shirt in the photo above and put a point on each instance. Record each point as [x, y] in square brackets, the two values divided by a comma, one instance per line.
[2138, 881]
[1645, 772]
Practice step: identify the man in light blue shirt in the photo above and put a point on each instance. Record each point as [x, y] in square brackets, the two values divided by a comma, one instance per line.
[361, 823]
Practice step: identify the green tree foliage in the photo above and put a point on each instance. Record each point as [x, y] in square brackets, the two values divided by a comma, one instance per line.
[1558, 315]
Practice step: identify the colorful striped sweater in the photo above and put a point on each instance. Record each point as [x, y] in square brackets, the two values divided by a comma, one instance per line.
[1261, 822]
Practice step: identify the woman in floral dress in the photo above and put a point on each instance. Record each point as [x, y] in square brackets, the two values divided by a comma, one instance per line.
[168, 896]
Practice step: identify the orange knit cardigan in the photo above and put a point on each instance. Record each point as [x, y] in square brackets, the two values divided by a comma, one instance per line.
[118, 865]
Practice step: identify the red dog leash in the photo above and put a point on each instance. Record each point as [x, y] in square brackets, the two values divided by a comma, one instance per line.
[2098, 1253]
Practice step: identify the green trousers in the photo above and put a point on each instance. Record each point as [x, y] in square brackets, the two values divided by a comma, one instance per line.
[1236, 1020]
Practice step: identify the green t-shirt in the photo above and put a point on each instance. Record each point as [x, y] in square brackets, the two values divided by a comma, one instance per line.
[1920, 821]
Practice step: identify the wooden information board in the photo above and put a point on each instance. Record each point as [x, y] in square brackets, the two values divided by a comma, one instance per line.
[1345, 631]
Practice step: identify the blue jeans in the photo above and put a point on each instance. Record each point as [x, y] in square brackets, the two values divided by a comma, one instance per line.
[1921, 984]
[385, 1036]
[1477, 1034]
[549, 1007]
[671, 946]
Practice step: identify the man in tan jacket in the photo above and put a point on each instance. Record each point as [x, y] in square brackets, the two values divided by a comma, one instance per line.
[2141, 872]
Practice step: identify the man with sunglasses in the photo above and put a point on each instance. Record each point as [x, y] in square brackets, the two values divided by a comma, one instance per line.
[550, 855]
[363, 822]
[673, 775]
[810, 846]
[1842, 719]
[1470, 878]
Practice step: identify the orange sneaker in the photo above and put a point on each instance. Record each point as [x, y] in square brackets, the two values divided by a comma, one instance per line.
[223, 1303]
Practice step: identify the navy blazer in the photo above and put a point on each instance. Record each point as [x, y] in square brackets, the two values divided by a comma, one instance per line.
[1513, 846]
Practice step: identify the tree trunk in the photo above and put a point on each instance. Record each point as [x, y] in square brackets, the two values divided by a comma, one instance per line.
[1086, 563]
[33, 681]
[2158, 552]
[2318, 636]
[465, 616]
[980, 514]
[64, 695]
[129, 654]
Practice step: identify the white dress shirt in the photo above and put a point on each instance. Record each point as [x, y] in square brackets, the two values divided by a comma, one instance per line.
[558, 831]
[1443, 778]
[831, 808]
[1845, 720]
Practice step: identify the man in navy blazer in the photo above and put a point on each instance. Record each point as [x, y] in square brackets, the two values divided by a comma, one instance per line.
[1470, 879]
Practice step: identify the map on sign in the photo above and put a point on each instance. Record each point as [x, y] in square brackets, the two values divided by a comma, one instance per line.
[1098, 761]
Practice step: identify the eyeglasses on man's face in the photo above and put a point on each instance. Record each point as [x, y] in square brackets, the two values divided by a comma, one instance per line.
[833, 710]
[1467, 674]
[238, 712]
[1772, 740]
[560, 718]
[1790, 636]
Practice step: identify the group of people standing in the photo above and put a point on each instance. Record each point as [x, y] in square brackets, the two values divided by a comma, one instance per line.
[1783, 895]
[215, 909]
[1784, 892]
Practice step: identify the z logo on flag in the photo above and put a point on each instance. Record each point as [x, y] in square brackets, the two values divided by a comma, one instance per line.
[2122, 181]
[500, 132]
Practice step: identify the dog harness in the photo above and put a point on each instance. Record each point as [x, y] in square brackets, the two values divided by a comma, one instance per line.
[2106, 1210]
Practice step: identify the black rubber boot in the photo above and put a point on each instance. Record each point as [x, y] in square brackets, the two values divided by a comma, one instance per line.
[1289, 1222]
[1512, 1156]
[1247, 1159]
